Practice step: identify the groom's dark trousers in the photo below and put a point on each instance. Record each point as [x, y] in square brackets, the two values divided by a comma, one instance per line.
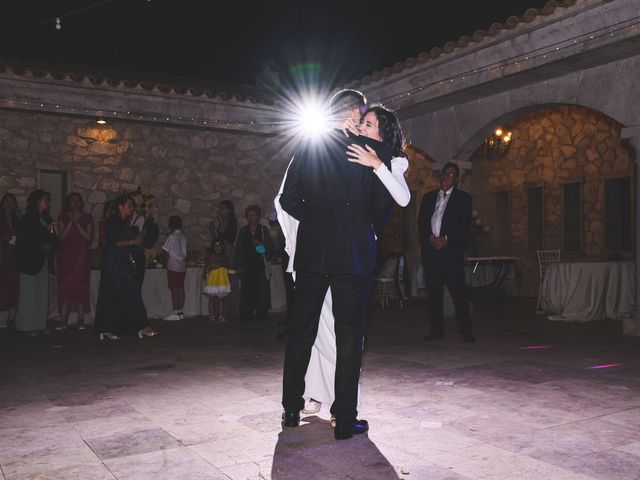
[340, 206]
[350, 295]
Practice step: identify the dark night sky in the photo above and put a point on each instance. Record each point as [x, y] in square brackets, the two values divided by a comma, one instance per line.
[232, 41]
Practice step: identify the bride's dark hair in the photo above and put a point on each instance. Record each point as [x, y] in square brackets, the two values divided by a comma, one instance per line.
[389, 129]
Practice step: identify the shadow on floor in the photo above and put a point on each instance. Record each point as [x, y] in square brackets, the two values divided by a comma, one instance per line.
[310, 452]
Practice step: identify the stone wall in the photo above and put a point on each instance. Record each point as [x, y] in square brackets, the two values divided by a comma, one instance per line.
[189, 171]
[551, 147]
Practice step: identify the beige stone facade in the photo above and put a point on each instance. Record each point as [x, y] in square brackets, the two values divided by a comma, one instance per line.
[551, 147]
[188, 170]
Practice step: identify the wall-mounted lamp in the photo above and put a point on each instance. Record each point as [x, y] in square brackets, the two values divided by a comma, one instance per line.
[498, 142]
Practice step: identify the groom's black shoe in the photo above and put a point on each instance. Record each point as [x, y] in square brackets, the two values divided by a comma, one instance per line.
[291, 419]
[345, 431]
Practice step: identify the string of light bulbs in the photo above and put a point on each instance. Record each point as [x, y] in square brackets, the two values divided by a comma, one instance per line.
[541, 52]
[105, 115]
[57, 19]
[389, 101]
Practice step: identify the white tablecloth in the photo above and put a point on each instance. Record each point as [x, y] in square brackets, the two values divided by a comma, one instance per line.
[157, 296]
[478, 272]
[581, 292]
[278, 296]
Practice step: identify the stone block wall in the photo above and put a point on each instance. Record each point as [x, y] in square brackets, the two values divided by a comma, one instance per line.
[551, 147]
[189, 171]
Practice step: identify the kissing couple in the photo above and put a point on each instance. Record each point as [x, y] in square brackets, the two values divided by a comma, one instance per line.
[336, 196]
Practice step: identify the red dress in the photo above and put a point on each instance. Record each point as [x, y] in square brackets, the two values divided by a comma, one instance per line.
[74, 265]
[9, 280]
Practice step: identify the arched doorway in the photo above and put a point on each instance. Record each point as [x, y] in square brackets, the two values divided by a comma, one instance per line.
[565, 182]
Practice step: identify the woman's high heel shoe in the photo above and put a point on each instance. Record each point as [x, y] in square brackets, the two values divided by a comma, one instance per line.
[146, 332]
[108, 335]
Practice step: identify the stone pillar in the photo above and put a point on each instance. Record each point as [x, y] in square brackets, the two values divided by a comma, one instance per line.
[631, 326]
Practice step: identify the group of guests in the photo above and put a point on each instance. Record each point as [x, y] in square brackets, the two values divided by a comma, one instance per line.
[34, 245]
[238, 263]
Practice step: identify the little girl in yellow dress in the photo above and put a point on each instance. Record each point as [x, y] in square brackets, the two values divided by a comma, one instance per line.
[217, 284]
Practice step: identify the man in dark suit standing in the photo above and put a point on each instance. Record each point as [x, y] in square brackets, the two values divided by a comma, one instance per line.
[444, 222]
[339, 205]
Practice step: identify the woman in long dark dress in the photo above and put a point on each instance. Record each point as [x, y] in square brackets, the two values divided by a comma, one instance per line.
[35, 243]
[120, 309]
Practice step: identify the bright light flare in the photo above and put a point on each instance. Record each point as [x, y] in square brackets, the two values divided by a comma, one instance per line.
[311, 117]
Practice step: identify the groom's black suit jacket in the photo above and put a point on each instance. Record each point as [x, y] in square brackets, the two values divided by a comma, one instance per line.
[340, 205]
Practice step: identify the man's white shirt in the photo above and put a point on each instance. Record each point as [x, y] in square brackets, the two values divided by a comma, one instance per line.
[438, 213]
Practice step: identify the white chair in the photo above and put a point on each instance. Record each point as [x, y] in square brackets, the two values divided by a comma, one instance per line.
[386, 280]
[545, 257]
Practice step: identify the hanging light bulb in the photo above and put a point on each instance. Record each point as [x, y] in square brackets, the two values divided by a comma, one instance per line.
[58, 24]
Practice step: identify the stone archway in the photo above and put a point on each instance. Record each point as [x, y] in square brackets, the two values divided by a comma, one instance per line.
[554, 146]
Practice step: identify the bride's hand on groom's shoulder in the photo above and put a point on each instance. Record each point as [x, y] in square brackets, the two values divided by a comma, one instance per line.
[366, 156]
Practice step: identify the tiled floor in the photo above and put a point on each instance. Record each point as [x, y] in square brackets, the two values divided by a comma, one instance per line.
[202, 401]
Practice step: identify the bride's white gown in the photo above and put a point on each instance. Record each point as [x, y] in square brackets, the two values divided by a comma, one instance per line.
[319, 380]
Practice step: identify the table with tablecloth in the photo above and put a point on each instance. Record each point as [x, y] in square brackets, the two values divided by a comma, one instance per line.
[585, 291]
[157, 296]
[479, 272]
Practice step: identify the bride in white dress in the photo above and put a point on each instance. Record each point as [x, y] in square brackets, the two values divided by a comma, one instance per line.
[380, 124]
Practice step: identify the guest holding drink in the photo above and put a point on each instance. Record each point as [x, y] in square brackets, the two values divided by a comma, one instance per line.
[9, 280]
[35, 243]
[74, 266]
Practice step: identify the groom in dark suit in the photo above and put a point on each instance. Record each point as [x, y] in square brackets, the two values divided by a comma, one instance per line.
[340, 205]
[444, 222]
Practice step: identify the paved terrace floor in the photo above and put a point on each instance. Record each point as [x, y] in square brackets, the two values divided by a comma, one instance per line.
[202, 401]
